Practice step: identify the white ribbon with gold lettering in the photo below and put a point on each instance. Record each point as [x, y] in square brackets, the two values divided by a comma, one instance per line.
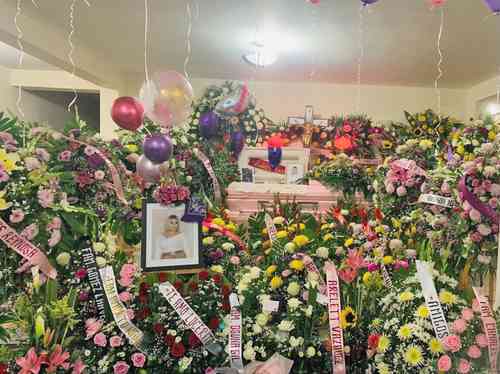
[490, 328]
[133, 334]
[235, 333]
[438, 318]
[271, 229]
[436, 200]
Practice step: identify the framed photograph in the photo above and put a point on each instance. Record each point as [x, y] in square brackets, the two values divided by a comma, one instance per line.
[168, 243]
[247, 175]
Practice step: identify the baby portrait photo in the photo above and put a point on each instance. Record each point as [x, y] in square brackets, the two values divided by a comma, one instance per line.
[168, 243]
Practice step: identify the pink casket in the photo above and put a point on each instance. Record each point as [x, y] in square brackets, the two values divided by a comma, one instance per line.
[245, 199]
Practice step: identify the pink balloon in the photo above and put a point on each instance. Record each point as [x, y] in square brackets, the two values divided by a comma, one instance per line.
[167, 98]
[314, 2]
[128, 113]
[437, 3]
[148, 170]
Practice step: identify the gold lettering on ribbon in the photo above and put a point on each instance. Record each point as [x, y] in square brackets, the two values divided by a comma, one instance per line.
[271, 229]
[235, 333]
[334, 308]
[489, 327]
[436, 200]
[132, 332]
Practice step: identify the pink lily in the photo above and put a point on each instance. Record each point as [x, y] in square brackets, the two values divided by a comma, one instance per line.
[78, 367]
[30, 364]
[355, 260]
[58, 358]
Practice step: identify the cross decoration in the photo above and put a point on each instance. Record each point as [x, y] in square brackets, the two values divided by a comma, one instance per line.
[308, 119]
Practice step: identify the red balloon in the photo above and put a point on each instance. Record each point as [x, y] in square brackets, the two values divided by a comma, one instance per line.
[128, 113]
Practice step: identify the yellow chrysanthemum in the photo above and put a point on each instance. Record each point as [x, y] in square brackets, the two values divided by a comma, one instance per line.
[264, 231]
[349, 242]
[271, 270]
[276, 282]
[3, 203]
[406, 296]
[447, 297]
[405, 332]
[325, 226]
[204, 229]
[388, 260]
[492, 135]
[294, 227]
[396, 223]
[281, 234]
[383, 344]
[231, 227]
[300, 240]
[379, 229]
[348, 318]
[460, 149]
[328, 237]
[383, 368]
[132, 148]
[367, 278]
[413, 356]
[297, 265]
[422, 311]
[219, 222]
[435, 346]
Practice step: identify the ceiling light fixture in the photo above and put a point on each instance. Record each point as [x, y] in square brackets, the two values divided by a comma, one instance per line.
[261, 56]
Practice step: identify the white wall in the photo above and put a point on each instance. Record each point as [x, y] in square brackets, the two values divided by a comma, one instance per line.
[282, 99]
[480, 92]
[36, 108]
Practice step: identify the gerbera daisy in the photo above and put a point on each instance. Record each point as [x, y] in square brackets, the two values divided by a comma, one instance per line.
[413, 356]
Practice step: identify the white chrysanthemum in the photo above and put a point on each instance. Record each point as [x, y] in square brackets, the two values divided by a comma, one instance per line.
[286, 326]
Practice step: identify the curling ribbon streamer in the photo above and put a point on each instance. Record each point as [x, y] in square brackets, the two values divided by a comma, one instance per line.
[26, 249]
[117, 183]
[132, 332]
[235, 333]
[334, 308]
[386, 277]
[477, 204]
[206, 162]
[271, 229]
[490, 328]
[438, 318]
[189, 317]
[313, 269]
[229, 234]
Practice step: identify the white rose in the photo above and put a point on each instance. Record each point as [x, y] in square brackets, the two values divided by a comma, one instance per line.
[290, 247]
[99, 247]
[278, 220]
[310, 352]
[322, 252]
[286, 326]
[249, 354]
[227, 246]
[101, 261]
[262, 319]
[309, 311]
[293, 303]
[254, 272]
[256, 329]
[63, 258]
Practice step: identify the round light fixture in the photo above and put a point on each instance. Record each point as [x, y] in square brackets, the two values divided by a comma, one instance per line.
[261, 56]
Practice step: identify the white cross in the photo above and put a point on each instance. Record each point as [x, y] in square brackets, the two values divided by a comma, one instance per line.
[308, 119]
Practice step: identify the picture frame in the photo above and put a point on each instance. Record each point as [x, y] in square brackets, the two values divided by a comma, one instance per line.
[294, 173]
[168, 243]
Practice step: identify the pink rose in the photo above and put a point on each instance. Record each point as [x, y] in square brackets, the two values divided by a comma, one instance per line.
[483, 229]
[475, 306]
[495, 189]
[138, 359]
[482, 340]
[444, 363]
[493, 202]
[32, 163]
[476, 237]
[125, 296]
[401, 191]
[468, 314]
[64, 156]
[16, 216]
[92, 326]
[30, 232]
[128, 271]
[475, 215]
[121, 367]
[210, 371]
[55, 224]
[125, 282]
[286, 273]
[115, 341]
[452, 343]
[100, 340]
[474, 352]
[235, 260]
[81, 273]
[445, 188]
[45, 198]
[42, 154]
[463, 366]
[459, 326]
[130, 314]
[99, 175]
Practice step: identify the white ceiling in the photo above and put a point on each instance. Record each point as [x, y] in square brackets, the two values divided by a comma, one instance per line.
[9, 58]
[400, 38]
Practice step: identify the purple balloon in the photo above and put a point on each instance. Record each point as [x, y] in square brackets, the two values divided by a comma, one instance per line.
[148, 170]
[494, 5]
[237, 142]
[368, 2]
[158, 148]
[209, 122]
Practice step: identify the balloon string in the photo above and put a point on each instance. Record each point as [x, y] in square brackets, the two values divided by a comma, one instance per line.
[146, 30]
[314, 13]
[440, 62]
[34, 3]
[71, 51]
[21, 55]
[361, 55]
[498, 87]
[188, 38]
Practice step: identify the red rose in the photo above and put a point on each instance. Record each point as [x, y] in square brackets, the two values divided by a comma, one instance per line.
[143, 299]
[217, 278]
[213, 323]
[177, 350]
[373, 340]
[169, 340]
[226, 306]
[143, 313]
[178, 284]
[158, 328]
[193, 286]
[194, 341]
[162, 277]
[226, 290]
[4, 368]
[203, 275]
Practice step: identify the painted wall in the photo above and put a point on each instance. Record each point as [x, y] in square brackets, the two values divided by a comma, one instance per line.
[479, 92]
[36, 107]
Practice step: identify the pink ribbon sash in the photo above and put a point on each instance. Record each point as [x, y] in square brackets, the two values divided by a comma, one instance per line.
[208, 166]
[490, 328]
[334, 308]
[477, 204]
[26, 249]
